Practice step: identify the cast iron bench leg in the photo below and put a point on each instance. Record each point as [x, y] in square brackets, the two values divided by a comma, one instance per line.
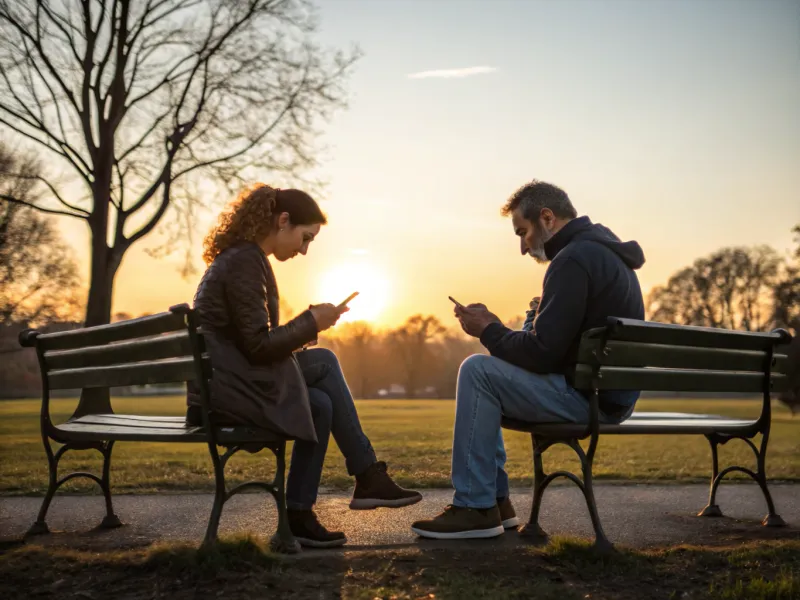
[283, 541]
[110, 520]
[40, 526]
[532, 530]
[712, 509]
[219, 495]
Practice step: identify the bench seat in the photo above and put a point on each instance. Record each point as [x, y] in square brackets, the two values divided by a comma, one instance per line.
[141, 428]
[641, 423]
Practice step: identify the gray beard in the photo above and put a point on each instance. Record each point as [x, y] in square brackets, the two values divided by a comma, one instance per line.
[538, 253]
[539, 256]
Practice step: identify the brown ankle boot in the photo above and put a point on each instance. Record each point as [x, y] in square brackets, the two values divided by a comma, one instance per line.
[374, 488]
[307, 530]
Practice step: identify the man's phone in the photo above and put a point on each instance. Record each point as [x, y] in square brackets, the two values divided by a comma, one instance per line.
[350, 297]
[456, 302]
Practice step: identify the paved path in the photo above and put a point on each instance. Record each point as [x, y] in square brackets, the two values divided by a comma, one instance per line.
[637, 515]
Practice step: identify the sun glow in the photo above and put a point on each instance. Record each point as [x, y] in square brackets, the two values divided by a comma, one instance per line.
[362, 277]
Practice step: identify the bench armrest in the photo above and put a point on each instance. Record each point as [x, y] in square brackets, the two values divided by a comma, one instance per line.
[27, 338]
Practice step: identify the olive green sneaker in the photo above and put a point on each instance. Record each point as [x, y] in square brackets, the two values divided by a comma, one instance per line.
[459, 523]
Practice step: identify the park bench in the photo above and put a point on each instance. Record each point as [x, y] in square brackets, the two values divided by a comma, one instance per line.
[640, 355]
[162, 348]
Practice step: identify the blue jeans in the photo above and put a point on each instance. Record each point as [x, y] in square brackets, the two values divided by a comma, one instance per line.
[334, 412]
[488, 389]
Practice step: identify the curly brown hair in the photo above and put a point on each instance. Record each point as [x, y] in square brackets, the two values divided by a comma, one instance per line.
[249, 218]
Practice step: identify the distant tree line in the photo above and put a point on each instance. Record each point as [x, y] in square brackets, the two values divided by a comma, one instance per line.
[753, 289]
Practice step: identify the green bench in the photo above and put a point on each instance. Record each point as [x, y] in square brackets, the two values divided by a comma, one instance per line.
[161, 348]
[640, 355]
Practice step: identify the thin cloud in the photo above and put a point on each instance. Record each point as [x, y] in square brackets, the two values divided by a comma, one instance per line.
[452, 73]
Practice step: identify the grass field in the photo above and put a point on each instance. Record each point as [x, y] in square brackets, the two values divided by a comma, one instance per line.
[414, 437]
[240, 569]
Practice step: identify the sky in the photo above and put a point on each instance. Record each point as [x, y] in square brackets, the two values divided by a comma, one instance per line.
[673, 123]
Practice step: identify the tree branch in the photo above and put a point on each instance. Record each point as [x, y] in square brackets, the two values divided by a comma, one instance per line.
[51, 211]
[101, 66]
[55, 19]
[71, 157]
[86, 86]
[133, 147]
[53, 190]
[165, 198]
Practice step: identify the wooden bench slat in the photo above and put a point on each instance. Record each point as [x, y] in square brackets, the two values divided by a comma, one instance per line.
[637, 427]
[644, 416]
[631, 330]
[169, 345]
[162, 371]
[114, 332]
[123, 421]
[639, 354]
[80, 431]
[147, 418]
[671, 380]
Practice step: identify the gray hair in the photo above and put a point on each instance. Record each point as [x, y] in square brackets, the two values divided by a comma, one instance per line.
[532, 197]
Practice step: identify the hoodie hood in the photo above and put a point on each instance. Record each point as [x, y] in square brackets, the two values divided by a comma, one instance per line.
[582, 229]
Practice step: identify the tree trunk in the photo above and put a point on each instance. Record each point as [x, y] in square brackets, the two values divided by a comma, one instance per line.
[101, 287]
[104, 264]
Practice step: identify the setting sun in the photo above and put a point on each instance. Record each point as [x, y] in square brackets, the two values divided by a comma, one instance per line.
[362, 277]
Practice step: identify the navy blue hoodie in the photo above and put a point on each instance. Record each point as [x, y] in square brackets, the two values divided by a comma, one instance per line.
[590, 278]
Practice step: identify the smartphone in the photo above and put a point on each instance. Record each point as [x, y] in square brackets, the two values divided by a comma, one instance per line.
[350, 297]
[456, 302]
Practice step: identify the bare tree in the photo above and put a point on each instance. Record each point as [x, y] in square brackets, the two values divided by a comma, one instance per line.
[411, 343]
[140, 105]
[39, 280]
[786, 299]
[449, 352]
[732, 288]
[786, 314]
[356, 345]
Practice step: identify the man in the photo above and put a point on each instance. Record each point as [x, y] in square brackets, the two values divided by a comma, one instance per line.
[527, 377]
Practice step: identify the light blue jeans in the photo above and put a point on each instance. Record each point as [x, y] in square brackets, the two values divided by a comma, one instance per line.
[488, 389]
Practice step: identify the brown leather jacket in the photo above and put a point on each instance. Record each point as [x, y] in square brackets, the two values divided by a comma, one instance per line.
[256, 379]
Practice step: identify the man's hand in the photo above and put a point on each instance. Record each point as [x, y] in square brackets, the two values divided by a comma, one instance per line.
[474, 318]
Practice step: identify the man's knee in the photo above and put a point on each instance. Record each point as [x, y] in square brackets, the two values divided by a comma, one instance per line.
[473, 365]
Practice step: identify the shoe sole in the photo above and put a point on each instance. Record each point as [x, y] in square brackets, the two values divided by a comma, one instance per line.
[511, 523]
[370, 503]
[309, 543]
[460, 535]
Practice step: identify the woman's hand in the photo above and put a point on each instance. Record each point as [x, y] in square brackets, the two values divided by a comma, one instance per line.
[326, 315]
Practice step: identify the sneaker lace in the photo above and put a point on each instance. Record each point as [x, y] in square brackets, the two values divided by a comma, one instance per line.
[450, 510]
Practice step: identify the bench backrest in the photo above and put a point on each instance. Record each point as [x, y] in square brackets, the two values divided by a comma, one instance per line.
[641, 355]
[160, 348]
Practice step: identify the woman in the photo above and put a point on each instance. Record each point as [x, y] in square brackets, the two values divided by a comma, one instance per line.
[259, 378]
